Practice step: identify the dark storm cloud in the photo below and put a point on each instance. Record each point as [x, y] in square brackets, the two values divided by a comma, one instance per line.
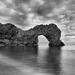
[43, 10]
[48, 7]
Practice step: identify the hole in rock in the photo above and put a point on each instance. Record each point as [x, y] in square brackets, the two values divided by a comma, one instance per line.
[42, 41]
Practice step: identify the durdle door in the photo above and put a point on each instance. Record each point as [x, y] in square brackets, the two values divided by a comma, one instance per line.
[10, 35]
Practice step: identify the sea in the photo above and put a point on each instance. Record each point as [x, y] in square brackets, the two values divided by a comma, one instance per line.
[40, 60]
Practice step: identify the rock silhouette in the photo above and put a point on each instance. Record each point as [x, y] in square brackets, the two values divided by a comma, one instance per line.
[10, 35]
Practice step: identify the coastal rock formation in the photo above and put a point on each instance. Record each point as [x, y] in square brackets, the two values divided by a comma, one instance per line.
[10, 35]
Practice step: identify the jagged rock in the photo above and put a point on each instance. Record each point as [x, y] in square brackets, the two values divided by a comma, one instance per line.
[10, 35]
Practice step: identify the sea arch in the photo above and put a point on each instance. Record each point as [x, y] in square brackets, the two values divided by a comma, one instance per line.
[51, 32]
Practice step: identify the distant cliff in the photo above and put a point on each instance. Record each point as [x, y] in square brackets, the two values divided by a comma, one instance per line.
[10, 35]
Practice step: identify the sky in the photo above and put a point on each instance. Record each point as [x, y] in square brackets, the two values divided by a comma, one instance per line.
[28, 13]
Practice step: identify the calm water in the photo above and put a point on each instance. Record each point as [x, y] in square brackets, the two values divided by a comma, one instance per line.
[41, 60]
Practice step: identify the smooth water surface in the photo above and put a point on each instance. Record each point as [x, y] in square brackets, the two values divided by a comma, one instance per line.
[41, 60]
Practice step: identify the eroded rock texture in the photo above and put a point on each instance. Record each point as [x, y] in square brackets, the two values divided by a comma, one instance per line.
[10, 35]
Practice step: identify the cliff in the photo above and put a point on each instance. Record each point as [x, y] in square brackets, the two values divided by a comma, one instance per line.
[10, 35]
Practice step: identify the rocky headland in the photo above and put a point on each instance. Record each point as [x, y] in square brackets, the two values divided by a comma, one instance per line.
[10, 35]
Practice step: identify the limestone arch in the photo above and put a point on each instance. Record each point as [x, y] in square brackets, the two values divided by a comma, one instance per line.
[42, 39]
[51, 32]
[51, 39]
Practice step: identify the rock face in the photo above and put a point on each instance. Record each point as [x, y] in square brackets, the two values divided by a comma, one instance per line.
[10, 35]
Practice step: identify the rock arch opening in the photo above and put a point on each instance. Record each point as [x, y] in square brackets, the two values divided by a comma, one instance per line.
[42, 40]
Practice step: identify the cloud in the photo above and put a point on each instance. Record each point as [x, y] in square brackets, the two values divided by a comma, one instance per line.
[20, 1]
[4, 19]
[28, 13]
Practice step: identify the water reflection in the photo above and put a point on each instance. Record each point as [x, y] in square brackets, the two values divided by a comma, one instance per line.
[22, 54]
[43, 60]
[51, 60]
